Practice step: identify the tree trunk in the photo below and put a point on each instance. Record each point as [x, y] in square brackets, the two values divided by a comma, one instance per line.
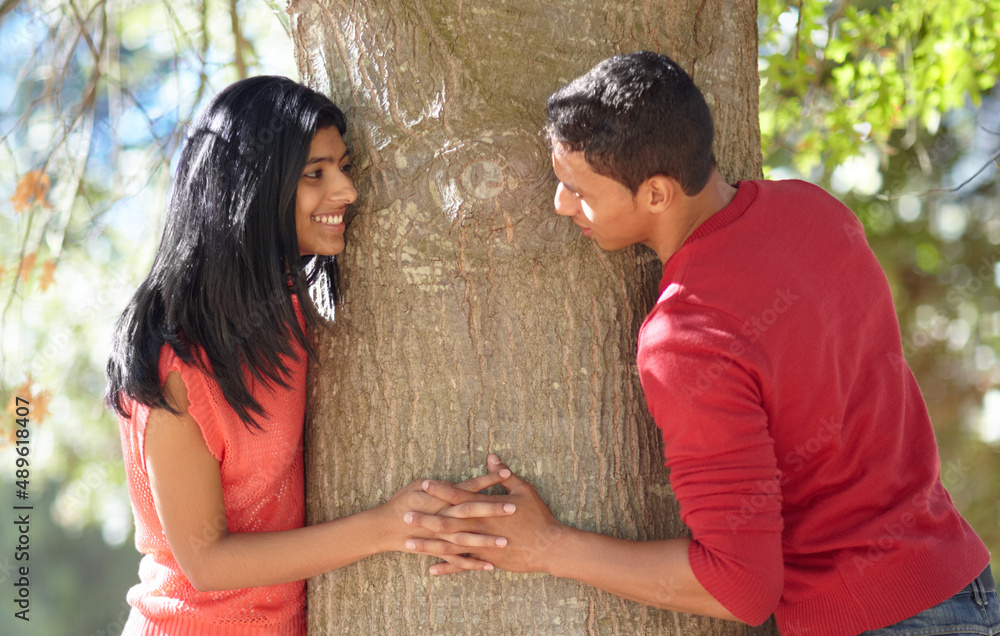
[477, 320]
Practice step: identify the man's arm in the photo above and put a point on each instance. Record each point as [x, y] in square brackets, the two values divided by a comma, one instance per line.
[656, 573]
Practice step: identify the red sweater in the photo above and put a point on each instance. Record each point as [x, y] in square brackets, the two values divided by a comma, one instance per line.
[263, 490]
[798, 443]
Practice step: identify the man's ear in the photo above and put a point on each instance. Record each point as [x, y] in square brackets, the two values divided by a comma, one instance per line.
[658, 193]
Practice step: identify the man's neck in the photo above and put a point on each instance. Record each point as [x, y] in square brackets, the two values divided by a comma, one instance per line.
[692, 212]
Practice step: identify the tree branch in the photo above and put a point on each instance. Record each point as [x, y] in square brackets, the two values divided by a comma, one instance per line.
[992, 160]
[798, 32]
[7, 6]
[241, 65]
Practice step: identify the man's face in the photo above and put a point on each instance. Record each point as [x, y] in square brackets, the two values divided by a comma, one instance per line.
[604, 209]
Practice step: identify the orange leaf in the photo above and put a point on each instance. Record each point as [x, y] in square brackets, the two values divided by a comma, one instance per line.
[12, 405]
[48, 271]
[27, 265]
[23, 391]
[32, 188]
[40, 407]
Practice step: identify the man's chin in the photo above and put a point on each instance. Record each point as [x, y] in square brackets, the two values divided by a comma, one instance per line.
[609, 246]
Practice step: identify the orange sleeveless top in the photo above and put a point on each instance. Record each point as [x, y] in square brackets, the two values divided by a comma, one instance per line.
[263, 489]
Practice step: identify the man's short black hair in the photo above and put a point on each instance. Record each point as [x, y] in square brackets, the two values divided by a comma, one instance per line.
[634, 116]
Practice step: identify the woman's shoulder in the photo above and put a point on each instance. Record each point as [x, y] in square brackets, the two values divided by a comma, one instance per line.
[170, 360]
[187, 381]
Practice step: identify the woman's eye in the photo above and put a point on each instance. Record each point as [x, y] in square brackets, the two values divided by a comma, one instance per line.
[346, 168]
[315, 174]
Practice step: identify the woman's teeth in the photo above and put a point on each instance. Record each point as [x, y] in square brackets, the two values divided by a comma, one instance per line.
[328, 219]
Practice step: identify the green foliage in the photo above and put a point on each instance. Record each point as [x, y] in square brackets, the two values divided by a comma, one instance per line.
[836, 75]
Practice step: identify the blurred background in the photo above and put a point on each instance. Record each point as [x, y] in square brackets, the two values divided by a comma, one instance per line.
[892, 106]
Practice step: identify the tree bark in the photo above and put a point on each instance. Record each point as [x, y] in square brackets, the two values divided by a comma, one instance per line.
[475, 319]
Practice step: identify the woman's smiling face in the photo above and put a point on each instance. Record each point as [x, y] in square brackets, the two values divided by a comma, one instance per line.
[325, 190]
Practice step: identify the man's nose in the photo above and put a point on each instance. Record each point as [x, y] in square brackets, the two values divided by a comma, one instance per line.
[565, 202]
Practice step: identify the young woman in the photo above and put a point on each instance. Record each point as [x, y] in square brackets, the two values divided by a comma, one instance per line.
[207, 376]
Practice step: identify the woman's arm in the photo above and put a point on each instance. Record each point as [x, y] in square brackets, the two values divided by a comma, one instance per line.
[187, 491]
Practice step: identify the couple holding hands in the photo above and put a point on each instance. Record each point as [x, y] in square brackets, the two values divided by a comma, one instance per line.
[800, 451]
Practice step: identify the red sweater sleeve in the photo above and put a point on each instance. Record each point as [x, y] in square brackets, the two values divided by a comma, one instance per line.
[699, 382]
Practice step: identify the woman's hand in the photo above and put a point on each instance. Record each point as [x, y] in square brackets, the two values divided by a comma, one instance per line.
[529, 534]
[452, 547]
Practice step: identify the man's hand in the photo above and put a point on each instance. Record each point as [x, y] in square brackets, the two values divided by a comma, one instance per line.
[529, 534]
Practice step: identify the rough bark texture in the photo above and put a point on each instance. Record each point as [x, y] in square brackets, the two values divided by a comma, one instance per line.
[475, 319]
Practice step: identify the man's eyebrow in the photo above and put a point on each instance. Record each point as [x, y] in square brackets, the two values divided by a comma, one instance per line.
[569, 186]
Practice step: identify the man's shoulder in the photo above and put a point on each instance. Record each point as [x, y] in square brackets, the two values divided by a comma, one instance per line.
[793, 187]
[799, 196]
[683, 318]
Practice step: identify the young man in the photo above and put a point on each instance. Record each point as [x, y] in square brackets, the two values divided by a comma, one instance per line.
[798, 443]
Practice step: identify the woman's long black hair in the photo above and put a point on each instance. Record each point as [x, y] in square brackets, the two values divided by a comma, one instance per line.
[229, 259]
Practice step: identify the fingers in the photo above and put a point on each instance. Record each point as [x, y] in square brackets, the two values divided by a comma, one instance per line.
[455, 495]
[516, 485]
[471, 509]
[446, 492]
[456, 557]
[482, 482]
[498, 472]
[512, 483]
[455, 564]
[457, 543]
[443, 526]
[494, 464]
[441, 569]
